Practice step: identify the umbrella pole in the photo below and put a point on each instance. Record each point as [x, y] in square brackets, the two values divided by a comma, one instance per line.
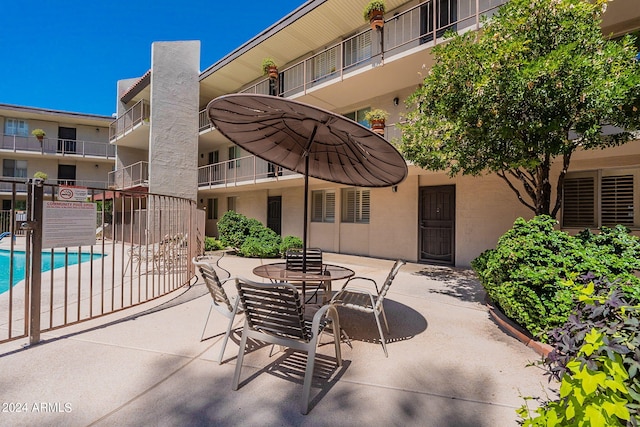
[306, 201]
[306, 209]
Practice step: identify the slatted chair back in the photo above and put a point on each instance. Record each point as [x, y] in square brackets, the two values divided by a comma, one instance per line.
[274, 309]
[387, 283]
[294, 259]
[213, 284]
[274, 314]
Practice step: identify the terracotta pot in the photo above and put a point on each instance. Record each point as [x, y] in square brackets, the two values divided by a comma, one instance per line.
[378, 126]
[40, 138]
[376, 19]
[273, 72]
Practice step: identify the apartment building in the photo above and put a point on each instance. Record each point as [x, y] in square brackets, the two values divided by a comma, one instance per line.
[74, 150]
[329, 57]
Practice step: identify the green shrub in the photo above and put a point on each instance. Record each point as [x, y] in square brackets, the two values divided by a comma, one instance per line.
[525, 274]
[211, 244]
[233, 229]
[289, 242]
[262, 242]
[596, 357]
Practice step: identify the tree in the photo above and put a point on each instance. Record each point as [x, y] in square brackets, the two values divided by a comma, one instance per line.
[534, 85]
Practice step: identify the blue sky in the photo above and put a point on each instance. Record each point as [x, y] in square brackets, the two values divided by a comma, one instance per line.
[68, 54]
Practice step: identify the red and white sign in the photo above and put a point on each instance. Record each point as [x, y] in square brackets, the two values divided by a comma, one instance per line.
[71, 193]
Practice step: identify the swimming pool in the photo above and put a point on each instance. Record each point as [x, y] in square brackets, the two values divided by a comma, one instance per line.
[19, 262]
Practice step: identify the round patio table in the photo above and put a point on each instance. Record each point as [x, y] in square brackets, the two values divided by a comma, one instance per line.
[278, 272]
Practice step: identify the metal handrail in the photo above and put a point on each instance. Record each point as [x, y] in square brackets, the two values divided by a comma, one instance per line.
[57, 146]
[130, 176]
[135, 116]
[299, 77]
[243, 170]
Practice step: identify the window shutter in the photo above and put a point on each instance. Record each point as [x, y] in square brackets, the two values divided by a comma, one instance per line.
[330, 207]
[617, 200]
[348, 205]
[316, 208]
[365, 206]
[578, 202]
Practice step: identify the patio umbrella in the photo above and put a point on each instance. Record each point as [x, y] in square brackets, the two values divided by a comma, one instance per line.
[308, 140]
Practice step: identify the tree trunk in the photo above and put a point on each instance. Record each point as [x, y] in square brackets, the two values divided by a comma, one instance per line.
[543, 188]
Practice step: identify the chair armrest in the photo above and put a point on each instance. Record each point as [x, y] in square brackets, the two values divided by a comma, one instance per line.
[330, 311]
[360, 278]
[336, 298]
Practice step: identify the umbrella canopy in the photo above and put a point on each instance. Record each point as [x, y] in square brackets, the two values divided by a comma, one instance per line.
[308, 140]
[287, 133]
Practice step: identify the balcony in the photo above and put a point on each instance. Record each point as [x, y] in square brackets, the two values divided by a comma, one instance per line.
[131, 129]
[132, 176]
[409, 31]
[241, 171]
[57, 147]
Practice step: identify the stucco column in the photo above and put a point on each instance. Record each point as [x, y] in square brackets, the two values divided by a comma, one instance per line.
[173, 139]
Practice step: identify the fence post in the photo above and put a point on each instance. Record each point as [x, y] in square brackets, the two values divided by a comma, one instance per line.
[35, 227]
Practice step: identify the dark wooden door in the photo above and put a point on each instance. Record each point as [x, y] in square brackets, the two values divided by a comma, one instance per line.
[66, 140]
[437, 224]
[67, 174]
[274, 213]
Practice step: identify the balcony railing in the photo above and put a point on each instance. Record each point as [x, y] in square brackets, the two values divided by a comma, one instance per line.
[52, 184]
[135, 116]
[203, 121]
[424, 24]
[55, 146]
[243, 170]
[134, 175]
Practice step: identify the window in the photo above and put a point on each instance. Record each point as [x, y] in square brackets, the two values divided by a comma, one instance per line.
[358, 116]
[323, 206]
[234, 153]
[231, 204]
[212, 208]
[357, 49]
[355, 205]
[324, 63]
[14, 168]
[214, 157]
[600, 198]
[16, 127]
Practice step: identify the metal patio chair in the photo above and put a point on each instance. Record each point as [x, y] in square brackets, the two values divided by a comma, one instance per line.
[220, 301]
[366, 302]
[274, 314]
[313, 264]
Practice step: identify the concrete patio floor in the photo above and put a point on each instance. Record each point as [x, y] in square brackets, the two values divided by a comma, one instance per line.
[449, 364]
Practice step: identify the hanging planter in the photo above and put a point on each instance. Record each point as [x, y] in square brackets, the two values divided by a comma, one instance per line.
[38, 133]
[270, 68]
[374, 13]
[377, 119]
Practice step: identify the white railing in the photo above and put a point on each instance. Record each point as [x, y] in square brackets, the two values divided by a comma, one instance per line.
[133, 175]
[57, 147]
[243, 170]
[137, 115]
[425, 23]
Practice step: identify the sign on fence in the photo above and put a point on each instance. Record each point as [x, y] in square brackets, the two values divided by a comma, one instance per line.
[68, 224]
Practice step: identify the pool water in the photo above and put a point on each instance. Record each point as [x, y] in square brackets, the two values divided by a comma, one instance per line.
[19, 263]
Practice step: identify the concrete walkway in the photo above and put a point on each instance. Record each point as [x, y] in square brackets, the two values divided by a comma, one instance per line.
[449, 364]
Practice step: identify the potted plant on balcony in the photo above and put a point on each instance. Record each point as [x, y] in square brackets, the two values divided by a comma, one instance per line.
[374, 14]
[40, 175]
[377, 119]
[270, 68]
[38, 133]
